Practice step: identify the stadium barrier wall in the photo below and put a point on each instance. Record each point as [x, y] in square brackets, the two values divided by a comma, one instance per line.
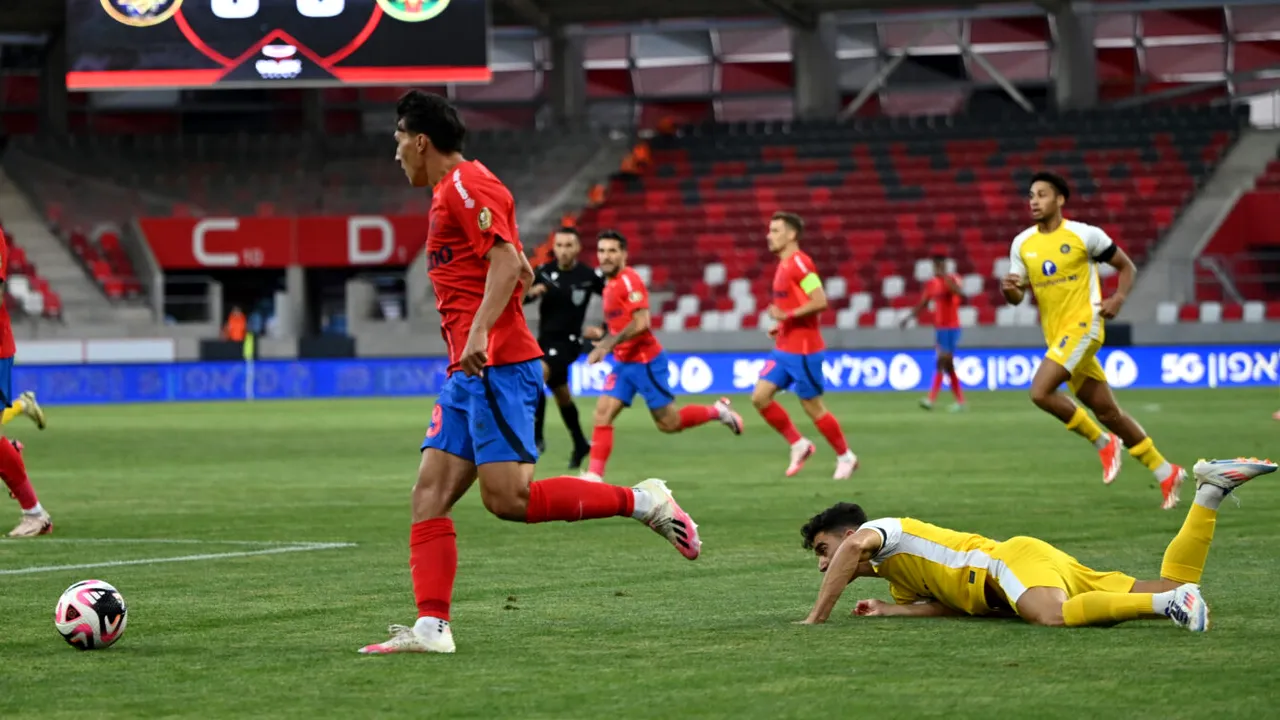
[688, 373]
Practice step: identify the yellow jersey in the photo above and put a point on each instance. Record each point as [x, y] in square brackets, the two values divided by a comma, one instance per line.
[1062, 268]
[924, 562]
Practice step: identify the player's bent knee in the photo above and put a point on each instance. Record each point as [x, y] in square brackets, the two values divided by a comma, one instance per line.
[1042, 606]
[668, 422]
[506, 500]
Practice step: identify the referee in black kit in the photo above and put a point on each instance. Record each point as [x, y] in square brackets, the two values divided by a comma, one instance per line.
[565, 288]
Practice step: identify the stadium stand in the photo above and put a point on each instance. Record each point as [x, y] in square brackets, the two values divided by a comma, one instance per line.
[882, 194]
[25, 292]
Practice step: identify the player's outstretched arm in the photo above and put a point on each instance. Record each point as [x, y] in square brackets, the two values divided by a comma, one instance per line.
[856, 549]
[880, 608]
[505, 268]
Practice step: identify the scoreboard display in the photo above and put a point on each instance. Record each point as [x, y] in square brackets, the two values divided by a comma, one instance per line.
[137, 44]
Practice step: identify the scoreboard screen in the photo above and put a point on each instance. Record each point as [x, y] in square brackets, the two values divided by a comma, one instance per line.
[134, 44]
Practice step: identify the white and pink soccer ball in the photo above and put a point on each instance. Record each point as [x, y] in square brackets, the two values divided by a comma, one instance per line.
[91, 615]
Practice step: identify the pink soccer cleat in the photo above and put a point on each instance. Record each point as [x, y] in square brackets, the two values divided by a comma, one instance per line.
[802, 450]
[435, 636]
[1111, 457]
[668, 520]
[728, 417]
[1169, 487]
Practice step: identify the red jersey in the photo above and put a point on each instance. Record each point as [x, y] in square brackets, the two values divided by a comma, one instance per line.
[7, 347]
[794, 279]
[471, 210]
[624, 294]
[946, 304]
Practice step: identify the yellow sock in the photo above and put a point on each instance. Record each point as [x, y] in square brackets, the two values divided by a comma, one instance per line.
[1147, 454]
[1084, 426]
[11, 412]
[1105, 608]
[1184, 558]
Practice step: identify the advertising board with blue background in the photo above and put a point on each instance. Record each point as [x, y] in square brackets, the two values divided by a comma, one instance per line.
[717, 373]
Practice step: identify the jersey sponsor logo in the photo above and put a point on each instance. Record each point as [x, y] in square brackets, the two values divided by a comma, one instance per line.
[1049, 269]
[484, 219]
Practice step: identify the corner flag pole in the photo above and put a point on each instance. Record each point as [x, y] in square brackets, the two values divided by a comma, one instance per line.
[248, 367]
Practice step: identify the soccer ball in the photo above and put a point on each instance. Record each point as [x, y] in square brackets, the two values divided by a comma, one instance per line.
[90, 615]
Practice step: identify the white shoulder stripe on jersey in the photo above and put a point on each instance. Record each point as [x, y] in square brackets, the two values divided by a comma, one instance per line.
[800, 264]
[626, 280]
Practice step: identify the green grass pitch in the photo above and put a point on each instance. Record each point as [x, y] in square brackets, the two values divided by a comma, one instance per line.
[605, 619]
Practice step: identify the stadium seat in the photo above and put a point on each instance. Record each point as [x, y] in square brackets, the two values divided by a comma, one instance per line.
[1167, 313]
[1210, 312]
[1254, 311]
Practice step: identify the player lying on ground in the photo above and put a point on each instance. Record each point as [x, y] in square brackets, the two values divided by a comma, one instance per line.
[934, 572]
[1058, 258]
[796, 360]
[482, 423]
[565, 287]
[943, 290]
[640, 363]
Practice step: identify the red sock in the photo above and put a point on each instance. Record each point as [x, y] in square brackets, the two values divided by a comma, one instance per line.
[779, 420]
[937, 385]
[601, 447]
[433, 562]
[955, 387]
[694, 415]
[14, 472]
[572, 499]
[830, 429]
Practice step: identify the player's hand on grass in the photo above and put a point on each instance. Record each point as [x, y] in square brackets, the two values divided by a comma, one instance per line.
[776, 314]
[475, 354]
[1110, 307]
[871, 608]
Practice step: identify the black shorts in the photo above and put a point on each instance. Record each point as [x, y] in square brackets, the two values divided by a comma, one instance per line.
[559, 356]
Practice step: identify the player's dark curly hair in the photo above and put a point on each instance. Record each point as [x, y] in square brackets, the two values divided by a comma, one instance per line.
[615, 236]
[841, 516]
[434, 116]
[1058, 182]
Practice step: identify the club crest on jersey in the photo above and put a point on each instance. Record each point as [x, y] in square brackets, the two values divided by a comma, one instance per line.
[1048, 268]
[1066, 249]
[635, 296]
[484, 219]
[141, 13]
[413, 10]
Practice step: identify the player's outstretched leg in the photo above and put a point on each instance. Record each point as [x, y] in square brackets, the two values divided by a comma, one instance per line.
[35, 521]
[1177, 594]
[1098, 396]
[25, 405]
[670, 419]
[774, 414]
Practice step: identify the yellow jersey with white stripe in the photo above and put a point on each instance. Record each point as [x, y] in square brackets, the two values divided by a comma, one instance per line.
[924, 562]
[1062, 269]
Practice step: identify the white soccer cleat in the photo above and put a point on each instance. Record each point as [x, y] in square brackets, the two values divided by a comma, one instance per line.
[845, 465]
[32, 409]
[1230, 474]
[728, 417]
[669, 520]
[590, 477]
[1188, 609]
[802, 450]
[33, 525]
[405, 639]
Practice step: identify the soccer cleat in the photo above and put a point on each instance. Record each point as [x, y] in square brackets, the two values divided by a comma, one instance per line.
[590, 477]
[32, 409]
[1112, 457]
[926, 404]
[33, 525]
[668, 520]
[957, 408]
[579, 454]
[845, 465]
[405, 639]
[1188, 609]
[731, 419]
[1230, 474]
[1170, 485]
[800, 451]
[1275, 415]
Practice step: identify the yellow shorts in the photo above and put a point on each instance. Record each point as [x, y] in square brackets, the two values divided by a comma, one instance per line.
[1021, 563]
[1074, 350]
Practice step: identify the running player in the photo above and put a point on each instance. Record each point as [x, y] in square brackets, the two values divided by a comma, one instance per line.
[1059, 259]
[482, 423]
[640, 365]
[35, 521]
[933, 571]
[943, 290]
[565, 287]
[796, 361]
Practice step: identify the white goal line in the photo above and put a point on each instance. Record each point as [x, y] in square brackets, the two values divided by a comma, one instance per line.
[275, 548]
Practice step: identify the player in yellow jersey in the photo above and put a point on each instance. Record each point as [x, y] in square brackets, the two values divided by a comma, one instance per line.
[933, 571]
[1058, 259]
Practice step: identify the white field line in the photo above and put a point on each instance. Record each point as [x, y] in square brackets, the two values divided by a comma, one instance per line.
[276, 548]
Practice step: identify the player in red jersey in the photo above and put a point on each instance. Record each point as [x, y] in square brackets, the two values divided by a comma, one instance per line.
[482, 423]
[796, 361]
[35, 521]
[943, 290]
[640, 365]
